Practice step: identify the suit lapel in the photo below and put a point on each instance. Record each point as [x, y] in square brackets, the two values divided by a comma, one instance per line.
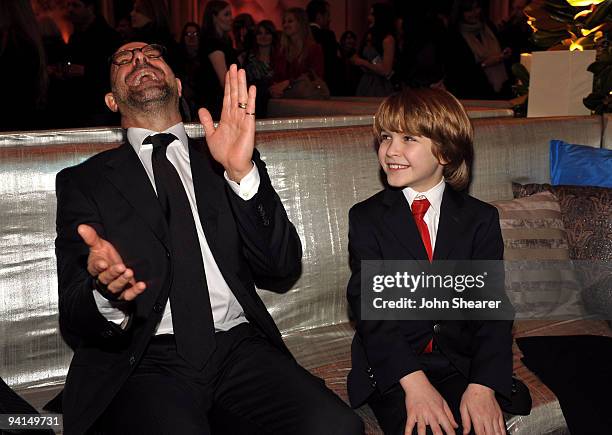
[126, 172]
[452, 223]
[399, 220]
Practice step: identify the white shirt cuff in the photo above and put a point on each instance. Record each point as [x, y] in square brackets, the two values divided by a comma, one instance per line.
[110, 313]
[248, 186]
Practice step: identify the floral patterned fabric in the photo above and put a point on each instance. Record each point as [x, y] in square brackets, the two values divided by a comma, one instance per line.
[587, 217]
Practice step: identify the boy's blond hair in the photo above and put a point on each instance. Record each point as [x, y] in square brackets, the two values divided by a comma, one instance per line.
[437, 115]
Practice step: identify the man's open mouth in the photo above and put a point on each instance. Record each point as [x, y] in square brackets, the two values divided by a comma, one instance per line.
[141, 76]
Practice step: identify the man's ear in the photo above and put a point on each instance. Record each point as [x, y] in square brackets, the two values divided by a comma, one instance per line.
[179, 86]
[109, 99]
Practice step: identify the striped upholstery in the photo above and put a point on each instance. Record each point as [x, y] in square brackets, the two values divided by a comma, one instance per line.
[541, 283]
[532, 228]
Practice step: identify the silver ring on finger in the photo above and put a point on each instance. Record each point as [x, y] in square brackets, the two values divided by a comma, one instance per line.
[242, 105]
[250, 113]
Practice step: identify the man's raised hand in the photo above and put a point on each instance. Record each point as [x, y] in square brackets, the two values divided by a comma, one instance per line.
[105, 264]
[232, 142]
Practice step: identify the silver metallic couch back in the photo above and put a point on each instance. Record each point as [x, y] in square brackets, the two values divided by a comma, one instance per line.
[320, 168]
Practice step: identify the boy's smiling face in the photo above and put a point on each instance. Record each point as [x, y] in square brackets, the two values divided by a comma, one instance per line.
[408, 161]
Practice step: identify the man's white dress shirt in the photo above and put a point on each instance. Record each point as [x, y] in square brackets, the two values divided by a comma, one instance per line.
[226, 310]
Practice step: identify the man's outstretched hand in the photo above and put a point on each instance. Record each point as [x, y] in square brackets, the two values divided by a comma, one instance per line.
[105, 264]
[232, 142]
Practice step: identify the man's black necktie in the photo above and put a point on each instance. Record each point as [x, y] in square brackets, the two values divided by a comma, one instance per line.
[192, 319]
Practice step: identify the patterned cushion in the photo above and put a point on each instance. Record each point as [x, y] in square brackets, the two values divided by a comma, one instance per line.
[532, 228]
[587, 216]
[540, 281]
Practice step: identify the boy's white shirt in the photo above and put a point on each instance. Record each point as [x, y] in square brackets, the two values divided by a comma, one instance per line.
[432, 216]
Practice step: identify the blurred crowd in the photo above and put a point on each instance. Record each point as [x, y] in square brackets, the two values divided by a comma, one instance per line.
[54, 60]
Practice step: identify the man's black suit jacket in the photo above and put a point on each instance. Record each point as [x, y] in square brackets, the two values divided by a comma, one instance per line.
[382, 228]
[253, 243]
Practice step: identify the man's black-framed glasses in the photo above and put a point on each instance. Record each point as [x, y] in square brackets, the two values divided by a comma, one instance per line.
[151, 51]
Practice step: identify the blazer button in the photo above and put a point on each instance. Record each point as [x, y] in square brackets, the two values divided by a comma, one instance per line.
[158, 308]
[132, 360]
[373, 384]
[108, 333]
[371, 375]
[437, 328]
[369, 370]
[167, 254]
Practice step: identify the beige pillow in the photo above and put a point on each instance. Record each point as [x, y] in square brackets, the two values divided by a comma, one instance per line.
[532, 228]
[540, 279]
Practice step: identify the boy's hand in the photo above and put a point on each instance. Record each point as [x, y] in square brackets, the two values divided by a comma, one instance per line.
[480, 409]
[425, 406]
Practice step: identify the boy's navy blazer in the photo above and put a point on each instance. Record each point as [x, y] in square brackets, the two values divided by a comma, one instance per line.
[253, 243]
[382, 228]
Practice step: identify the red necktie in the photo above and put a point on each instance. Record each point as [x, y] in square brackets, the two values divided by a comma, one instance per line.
[419, 208]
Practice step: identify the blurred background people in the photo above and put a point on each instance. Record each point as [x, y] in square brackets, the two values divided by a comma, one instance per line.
[150, 24]
[320, 19]
[350, 74]
[243, 29]
[259, 63]
[446, 43]
[48, 15]
[515, 33]
[216, 55]
[124, 28]
[420, 60]
[475, 61]
[377, 53]
[189, 68]
[23, 75]
[299, 54]
[78, 100]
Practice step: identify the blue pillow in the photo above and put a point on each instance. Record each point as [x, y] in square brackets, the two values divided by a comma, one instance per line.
[580, 165]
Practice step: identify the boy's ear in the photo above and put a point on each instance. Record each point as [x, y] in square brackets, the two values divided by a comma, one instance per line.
[109, 99]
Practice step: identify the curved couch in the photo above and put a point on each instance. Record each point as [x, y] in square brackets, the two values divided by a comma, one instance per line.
[320, 168]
